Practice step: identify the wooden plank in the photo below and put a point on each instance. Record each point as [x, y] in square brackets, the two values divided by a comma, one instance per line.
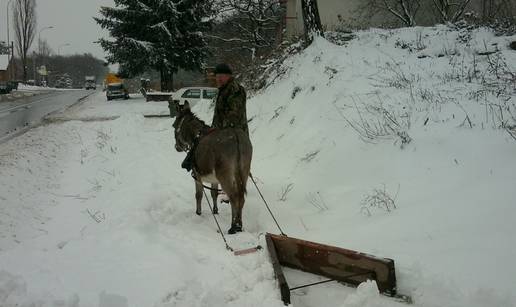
[333, 262]
[156, 115]
[280, 276]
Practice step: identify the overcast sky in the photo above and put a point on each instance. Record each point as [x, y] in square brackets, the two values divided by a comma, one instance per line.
[72, 21]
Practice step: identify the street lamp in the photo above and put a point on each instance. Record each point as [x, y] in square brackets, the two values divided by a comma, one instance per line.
[39, 47]
[59, 48]
[39, 37]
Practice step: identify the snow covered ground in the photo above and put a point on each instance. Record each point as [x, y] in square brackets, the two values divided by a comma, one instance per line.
[398, 145]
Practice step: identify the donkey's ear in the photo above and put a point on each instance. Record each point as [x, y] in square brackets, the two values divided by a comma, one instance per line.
[186, 106]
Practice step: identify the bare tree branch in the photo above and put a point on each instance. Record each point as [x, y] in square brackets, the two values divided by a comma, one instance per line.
[246, 29]
[450, 11]
[25, 29]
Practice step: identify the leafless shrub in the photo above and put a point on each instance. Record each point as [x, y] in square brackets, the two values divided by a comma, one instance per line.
[499, 68]
[338, 37]
[330, 71]
[97, 216]
[411, 46]
[467, 118]
[375, 122]
[265, 70]
[395, 77]
[493, 86]
[405, 11]
[84, 154]
[432, 98]
[102, 139]
[316, 200]
[296, 90]
[310, 156]
[246, 31]
[110, 173]
[285, 190]
[500, 114]
[512, 132]
[378, 199]
[277, 112]
[498, 15]
[303, 224]
[450, 11]
[96, 186]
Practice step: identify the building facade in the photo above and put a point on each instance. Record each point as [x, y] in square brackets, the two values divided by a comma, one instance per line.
[4, 67]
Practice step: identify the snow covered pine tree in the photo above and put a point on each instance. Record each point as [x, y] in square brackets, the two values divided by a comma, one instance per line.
[164, 35]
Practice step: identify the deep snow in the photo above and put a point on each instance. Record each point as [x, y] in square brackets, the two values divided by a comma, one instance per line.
[95, 210]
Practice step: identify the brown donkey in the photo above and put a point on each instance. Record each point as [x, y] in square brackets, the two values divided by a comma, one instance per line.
[222, 156]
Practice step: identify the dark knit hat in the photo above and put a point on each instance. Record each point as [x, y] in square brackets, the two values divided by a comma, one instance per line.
[223, 68]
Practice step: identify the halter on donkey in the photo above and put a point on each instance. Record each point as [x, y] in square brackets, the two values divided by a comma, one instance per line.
[220, 157]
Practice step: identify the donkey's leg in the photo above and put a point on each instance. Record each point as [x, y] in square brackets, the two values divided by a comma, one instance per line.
[198, 196]
[240, 207]
[236, 223]
[241, 195]
[229, 186]
[214, 194]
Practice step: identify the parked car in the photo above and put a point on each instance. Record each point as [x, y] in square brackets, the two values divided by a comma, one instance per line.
[116, 90]
[4, 87]
[7, 86]
[13, 84]
[195, 95]
[90, 85]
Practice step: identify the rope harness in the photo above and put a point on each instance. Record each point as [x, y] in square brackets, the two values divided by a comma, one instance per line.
[266, 205]
[246, 251]
[217, 222]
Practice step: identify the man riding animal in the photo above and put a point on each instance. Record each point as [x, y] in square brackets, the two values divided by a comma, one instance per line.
[220, 154]
[230, 106]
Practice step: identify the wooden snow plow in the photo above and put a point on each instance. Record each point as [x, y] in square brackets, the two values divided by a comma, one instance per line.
[336, 263]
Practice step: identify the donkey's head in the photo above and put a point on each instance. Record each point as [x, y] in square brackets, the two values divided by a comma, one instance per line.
[187, 127]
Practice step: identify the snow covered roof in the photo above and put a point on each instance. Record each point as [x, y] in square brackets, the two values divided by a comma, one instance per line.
[4, 61]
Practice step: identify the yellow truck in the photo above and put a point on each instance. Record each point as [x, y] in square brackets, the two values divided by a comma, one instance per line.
[115, 87]
[112, 78]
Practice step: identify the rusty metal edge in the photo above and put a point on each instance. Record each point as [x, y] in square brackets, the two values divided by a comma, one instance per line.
[278, 271]
[390, 291]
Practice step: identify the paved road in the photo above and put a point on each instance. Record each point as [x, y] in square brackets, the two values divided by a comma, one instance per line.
[26, 112]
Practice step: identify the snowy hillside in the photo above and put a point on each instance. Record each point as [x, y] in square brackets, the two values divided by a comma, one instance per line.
[400, 144]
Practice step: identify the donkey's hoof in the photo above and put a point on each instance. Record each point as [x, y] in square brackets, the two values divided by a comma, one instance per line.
[234, 229]
[198, 212]
[215, 211]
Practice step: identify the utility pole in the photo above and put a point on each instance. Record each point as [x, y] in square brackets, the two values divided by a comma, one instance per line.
[34, 66]
[9, 58]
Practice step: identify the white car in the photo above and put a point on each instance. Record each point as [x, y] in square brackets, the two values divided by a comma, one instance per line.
[195, 94]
